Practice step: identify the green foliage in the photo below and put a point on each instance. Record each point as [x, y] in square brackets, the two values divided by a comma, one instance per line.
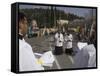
[47, 17]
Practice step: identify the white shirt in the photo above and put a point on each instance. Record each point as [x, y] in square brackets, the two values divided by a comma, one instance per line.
[59, 39]
[68, 40]
[27, 59]
[92, 55]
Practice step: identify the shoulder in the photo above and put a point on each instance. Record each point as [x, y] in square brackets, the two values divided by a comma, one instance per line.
[71, 35]
[24, 45]
[61, 34]
[56, 34]
[89, 48]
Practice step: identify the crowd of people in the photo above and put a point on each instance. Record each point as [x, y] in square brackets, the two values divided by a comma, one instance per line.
[27, 59]
[60, 40]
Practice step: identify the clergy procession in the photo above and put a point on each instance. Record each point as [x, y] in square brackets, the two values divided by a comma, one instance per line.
[69, 44]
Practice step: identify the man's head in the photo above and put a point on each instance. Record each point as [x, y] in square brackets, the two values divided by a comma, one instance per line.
[22, 23]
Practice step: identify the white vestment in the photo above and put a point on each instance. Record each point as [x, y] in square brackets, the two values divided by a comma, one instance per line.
[27, 59]
[59, 39]
[68, 40]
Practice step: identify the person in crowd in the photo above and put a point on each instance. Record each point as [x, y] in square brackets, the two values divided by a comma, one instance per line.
[68, 43]
[92, 34]
[59, 39]
[27, 59]
[33, 28]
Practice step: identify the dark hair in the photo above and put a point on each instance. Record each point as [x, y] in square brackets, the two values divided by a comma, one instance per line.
[21, 16]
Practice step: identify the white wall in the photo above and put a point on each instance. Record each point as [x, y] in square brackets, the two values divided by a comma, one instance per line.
[5, 42]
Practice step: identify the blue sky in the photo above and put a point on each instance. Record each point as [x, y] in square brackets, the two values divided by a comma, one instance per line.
[75, 10]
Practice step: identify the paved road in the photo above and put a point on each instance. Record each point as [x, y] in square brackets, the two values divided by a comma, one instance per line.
[43, 44]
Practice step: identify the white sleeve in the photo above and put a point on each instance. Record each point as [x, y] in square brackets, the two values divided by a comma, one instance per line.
[27, 59]
[62, 39]
[66, 38]
[71, 37]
